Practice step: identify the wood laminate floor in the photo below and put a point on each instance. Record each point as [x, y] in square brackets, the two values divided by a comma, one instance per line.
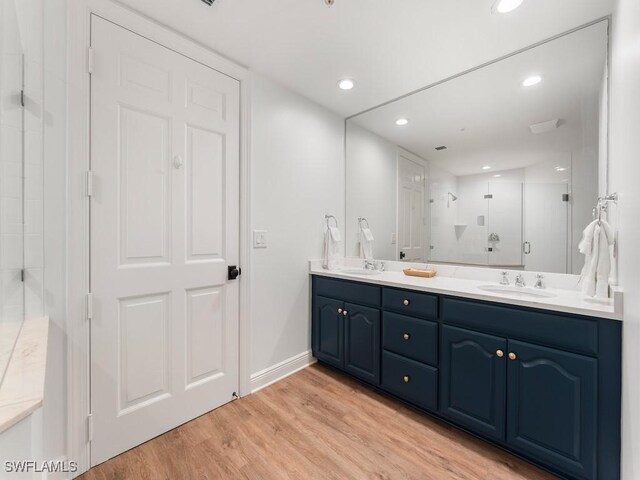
[316, 424]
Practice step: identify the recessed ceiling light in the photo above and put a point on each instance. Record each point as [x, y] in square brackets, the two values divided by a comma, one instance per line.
[346, 84]
[506, 6]
[497, 175]
[486, 167]
[561, 169]
[531, 81]
[401, 122]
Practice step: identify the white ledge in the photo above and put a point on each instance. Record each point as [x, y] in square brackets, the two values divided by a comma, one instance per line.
[22, 389]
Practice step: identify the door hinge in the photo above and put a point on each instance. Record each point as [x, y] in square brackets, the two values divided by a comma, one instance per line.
[90, 60]
[22, 98]
[488, 196]
[565, 197]
[89, 306]
[22, 274]
[90, 426]
[89, 183]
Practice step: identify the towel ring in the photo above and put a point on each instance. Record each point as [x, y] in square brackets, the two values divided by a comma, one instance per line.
[329, 217]
[361, 220]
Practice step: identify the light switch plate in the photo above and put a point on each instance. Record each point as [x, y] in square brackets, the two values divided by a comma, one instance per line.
[394, 239]
[259, 239]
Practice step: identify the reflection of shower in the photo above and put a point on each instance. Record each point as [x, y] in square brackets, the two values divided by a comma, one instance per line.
[453, 198]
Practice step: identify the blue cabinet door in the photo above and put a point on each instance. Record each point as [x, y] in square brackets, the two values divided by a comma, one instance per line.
[362, 342]
[473, 375]
[552, 407]
[328, 341]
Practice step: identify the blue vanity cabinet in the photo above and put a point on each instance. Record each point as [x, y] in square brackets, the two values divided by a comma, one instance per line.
[552, 410]
[346, 327]
[473, 384]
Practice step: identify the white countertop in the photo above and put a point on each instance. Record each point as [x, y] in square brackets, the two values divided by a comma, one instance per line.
[566, 300]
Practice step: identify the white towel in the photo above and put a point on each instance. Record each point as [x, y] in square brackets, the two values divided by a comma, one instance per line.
[595, 243]
[332, 241]
[366, 244]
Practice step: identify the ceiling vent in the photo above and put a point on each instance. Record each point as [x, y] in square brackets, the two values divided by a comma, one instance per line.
[441, 147]
[545, 127]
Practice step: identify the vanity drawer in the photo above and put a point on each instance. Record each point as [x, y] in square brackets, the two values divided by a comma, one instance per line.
[410, 380]
[353, 292]
[410, 337]
[410, 303]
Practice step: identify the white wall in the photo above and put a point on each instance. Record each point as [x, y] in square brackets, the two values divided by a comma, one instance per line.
[297, 176]
[625, 179]
[372, 171]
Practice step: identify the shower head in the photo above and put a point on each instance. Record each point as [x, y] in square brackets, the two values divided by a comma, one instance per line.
[453, 197]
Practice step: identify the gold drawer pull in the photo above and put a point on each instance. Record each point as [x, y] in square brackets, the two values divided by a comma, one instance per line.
[512, 356]
[499, 353]
[406, 336]
[406, 302]
[406, 379]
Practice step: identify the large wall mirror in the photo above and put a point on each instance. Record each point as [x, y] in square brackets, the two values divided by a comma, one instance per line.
[500, 166]
[11, 182]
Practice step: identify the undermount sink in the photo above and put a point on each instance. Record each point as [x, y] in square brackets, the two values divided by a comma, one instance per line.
[359, 271]
[517, 291]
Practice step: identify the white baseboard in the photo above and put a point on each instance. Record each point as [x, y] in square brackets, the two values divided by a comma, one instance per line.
[281, 370]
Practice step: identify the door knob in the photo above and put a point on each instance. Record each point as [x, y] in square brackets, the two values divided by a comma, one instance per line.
[345, 313]
[406, 336]
[499, 353]
[512, 356]
[339, 311]
[405, 302]
[406, 379]
[233, 272]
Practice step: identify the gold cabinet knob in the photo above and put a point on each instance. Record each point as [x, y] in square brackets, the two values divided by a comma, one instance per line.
[406, 336]
[405, 379]
[344, 312]
[339, 311]
[406, 302]
[512, 356]
[499, 353]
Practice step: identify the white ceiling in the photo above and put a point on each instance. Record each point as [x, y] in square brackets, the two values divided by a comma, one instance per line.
[390, 47]
[483, 117]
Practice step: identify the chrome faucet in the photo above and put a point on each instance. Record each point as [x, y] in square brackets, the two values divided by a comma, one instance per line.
[374, 265]
[505, 278]
[520, 281]
[369, 265]
[539, 283]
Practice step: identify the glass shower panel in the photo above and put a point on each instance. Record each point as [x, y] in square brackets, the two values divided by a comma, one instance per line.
[546, 227]
[11, 182]
[504, 238]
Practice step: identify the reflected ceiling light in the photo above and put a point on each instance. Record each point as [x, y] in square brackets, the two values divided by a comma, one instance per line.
[497, 175]
[486, 167]
[401, 122]
[346, 84]
[531, 81]
[561, 169]
[505, 6]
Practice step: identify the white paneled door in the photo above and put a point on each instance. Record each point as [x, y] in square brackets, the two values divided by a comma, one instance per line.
[411, 180]
[164, 229]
